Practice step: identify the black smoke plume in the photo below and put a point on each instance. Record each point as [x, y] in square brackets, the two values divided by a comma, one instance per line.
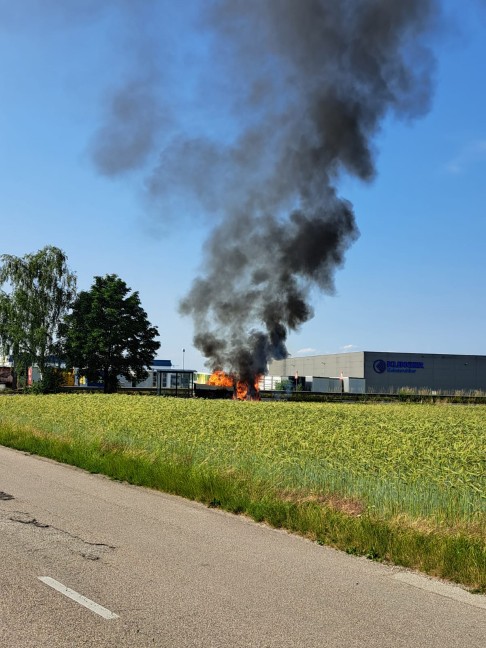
[306, 85]
[319, 76]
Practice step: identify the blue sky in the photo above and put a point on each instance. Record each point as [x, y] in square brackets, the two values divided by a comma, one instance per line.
[413, 281]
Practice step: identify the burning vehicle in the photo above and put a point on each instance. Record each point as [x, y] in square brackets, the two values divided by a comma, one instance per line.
[225, 385]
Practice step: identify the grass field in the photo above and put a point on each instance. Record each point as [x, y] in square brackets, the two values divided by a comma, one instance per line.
[399, 482]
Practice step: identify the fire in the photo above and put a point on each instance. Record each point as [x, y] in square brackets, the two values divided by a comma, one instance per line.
[243, 391]
[242, 388]
[221, 379]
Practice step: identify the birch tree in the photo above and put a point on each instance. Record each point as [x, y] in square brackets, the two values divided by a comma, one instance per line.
[36, 291]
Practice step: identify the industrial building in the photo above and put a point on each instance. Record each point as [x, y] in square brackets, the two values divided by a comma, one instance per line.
[388, 373]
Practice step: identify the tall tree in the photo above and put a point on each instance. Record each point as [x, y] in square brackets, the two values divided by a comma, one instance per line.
[107, 334]
[39, 290]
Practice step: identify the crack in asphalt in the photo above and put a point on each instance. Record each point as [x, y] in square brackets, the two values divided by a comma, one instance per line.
[25, 518]
[73, 543]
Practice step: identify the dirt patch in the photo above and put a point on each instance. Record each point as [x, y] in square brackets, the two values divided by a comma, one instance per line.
[348, 505]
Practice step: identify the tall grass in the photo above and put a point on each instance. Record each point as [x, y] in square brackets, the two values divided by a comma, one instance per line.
[398, 482]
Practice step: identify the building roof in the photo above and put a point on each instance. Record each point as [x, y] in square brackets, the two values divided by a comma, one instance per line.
[161, 363]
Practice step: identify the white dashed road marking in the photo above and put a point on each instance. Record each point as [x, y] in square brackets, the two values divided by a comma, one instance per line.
[82, 600]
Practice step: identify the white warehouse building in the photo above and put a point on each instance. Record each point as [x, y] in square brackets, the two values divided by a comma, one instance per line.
[386, 372]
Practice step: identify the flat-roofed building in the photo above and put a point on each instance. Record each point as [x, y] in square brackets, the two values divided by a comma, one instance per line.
[387, 372]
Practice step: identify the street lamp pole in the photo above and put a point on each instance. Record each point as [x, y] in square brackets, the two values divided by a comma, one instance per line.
[183, 352]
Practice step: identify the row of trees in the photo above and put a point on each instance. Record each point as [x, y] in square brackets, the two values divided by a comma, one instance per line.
[104, 331]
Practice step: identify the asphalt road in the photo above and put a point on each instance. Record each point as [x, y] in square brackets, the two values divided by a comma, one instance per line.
[168, 572]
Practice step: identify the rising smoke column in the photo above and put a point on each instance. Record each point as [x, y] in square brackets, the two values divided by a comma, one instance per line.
[321, 77]
[306, 85]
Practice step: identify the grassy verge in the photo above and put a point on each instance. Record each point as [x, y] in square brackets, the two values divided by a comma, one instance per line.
[232, 456]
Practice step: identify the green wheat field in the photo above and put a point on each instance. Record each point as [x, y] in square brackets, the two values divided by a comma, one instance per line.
[404, 483]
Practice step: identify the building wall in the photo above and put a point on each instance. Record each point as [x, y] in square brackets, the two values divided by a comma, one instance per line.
[390, 372]
[386, 372]
[323, 366]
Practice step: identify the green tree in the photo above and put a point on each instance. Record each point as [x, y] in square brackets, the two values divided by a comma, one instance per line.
[107, 334]
[39, 290]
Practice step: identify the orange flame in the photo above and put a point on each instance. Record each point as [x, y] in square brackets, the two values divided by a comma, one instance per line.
[243, 390]
[221, 379]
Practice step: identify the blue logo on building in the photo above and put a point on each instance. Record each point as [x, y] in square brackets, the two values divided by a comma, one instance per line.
[397, 366]
[379, 366]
